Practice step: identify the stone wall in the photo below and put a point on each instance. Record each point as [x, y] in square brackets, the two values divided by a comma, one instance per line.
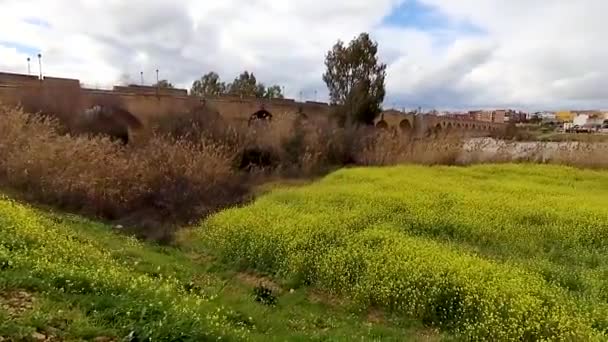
[67, 99]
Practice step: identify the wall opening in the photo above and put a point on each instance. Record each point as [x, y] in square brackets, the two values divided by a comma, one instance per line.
[382, 124]
[261, 115]
[437, 129]
[108, 120]
[405, 125]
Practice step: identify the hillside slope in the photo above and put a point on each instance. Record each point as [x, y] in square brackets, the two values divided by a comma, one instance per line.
[64, 278]
[491, 252]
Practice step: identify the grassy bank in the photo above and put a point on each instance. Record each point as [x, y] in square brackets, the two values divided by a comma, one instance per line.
[490, 252]
[64, 278]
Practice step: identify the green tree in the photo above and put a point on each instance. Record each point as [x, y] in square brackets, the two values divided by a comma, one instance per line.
[260, 90]
[246, 85]
[208, 85]
[274, 92]
[355, 79]
[164, 84]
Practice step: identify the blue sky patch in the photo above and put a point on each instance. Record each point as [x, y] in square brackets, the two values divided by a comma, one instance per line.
[26, 49]
[414, 14]
[37, 22]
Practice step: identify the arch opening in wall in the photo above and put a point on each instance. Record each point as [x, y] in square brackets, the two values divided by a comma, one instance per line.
[405, 125]
[261, 116]
[300, 114]
[438, 129]
[382, 124]
[108, 120]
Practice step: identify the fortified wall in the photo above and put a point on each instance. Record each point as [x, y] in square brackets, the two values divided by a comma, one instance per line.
[67, 99]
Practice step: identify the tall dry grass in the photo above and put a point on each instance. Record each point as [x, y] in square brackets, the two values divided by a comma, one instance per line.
[197, 164]
[150, 184]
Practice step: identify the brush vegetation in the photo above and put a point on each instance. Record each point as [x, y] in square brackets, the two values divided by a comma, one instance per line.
[495, 252]
[65, 278]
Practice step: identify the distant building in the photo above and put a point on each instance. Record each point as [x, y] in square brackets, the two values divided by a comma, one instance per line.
[516, 117]
[481, 115]
[580, 120]
[565, 116]
[499, 116]
[589, 118]
[547, 116]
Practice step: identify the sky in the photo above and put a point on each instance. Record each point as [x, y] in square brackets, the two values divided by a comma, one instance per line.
[441, 54]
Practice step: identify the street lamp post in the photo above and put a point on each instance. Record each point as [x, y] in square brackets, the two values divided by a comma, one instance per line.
[141, 74]
[29, 68]
[157, 77]
[40, 65]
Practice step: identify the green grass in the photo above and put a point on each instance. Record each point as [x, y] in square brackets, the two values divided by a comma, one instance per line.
[82, 282]
[509, 252]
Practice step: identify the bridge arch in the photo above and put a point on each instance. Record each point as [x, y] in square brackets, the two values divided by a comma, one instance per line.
[438, 129]
[382, 124]
[405, 125]
[261, 115]
[110, 120]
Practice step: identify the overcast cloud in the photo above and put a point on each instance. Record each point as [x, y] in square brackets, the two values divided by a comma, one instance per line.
[440, 53]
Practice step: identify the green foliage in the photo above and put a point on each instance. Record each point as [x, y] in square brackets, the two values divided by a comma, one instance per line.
[511, 252]
[48, 258]
[87, 282]
[208, 85]
[246, 85]
[273, 92]
[355, 79]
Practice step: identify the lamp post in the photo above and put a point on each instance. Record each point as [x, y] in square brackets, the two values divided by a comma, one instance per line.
[157, 84]
[141, 74]
[40, 65]
[29, 68]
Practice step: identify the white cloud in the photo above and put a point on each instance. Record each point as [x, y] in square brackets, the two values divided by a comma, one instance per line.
[528, 53]
[547, 54]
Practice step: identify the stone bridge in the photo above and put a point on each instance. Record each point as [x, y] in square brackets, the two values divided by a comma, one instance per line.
[67, 99]
[429, 125]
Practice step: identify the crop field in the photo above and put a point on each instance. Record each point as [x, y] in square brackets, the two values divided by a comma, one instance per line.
[490, 252]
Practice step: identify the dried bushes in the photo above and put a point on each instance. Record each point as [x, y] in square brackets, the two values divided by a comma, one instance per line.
[162, 180]
[195, 165]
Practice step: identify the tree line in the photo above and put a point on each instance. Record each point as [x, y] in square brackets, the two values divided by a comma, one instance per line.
[354, 76]
[245, 85]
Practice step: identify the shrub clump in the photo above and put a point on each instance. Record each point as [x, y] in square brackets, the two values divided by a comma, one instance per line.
[162, 180]
[454, 247]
